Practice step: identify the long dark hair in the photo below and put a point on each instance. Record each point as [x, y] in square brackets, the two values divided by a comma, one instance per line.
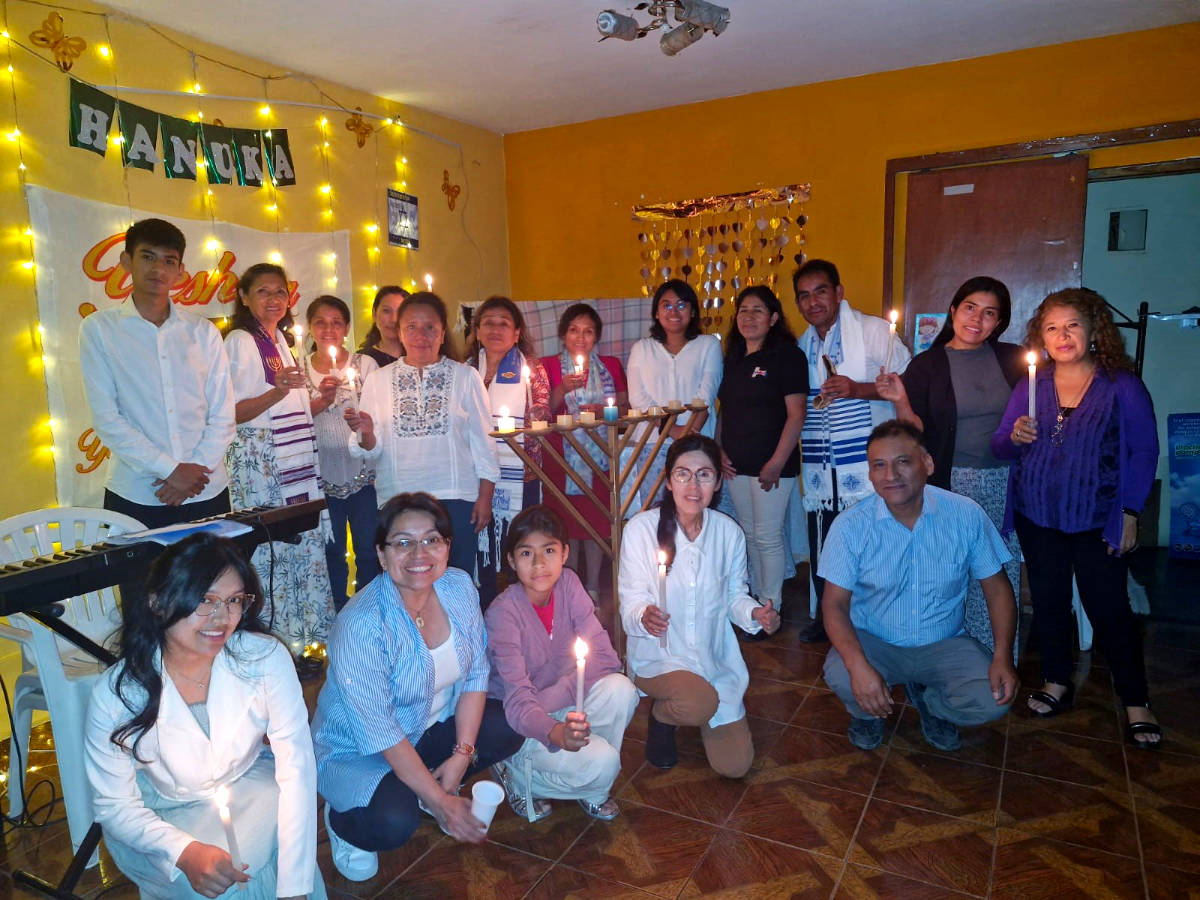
[524, 342]
[687, 294]
[667, 524]
[980, 284]
[430, 300]
[373, 336]
[242, 317]
[174, 588]
[779, 333]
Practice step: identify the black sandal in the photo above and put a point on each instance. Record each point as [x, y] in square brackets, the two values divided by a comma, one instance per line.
[1133, 729]
[1056, 704]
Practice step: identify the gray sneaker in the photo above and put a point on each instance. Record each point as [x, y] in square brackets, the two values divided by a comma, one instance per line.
[941, 734]
[516, 798]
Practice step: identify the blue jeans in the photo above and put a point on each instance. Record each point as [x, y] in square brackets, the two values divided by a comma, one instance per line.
[392, 815]
[462, 547]
[360, 512]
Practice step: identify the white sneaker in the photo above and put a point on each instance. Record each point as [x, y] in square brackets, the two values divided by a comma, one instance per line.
[353, 864]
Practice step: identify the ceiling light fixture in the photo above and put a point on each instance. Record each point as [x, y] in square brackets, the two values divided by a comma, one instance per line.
[692, 19]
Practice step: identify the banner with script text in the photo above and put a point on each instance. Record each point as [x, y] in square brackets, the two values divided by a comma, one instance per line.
[77, 248]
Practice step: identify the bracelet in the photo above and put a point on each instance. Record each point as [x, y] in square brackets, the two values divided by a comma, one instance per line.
[467, 750]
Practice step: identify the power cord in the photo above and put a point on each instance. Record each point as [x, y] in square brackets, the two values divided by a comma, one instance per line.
[28, 817]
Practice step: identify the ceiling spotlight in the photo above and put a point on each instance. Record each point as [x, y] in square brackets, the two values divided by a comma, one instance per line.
[699, 12]
[692, 19]
[680, 37]
[612, 24]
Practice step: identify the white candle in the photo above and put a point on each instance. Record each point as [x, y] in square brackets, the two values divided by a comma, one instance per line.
[1031, 358]
[699, 401]
[298, 334]
[332, 358]
[587, 417]
[539, 425]
[581, 652]
[565, 420]
[579, 364]
[525, 373]
[350, 376]
[428, 282]
[235, 855]
[505, 422]
[662, 592]
[894, 315]
[674, 404]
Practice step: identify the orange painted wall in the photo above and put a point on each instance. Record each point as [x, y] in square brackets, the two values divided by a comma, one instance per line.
[570, 189]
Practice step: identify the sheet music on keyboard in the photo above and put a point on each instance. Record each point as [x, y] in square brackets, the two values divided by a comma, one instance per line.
[171, 534]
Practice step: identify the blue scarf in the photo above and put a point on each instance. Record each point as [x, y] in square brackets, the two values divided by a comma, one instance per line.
[600, 386]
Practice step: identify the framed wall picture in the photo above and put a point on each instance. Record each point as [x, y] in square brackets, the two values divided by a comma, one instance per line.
[404, 228]
[929, 326]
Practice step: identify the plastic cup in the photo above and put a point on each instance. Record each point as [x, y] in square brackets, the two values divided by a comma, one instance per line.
[485, 797]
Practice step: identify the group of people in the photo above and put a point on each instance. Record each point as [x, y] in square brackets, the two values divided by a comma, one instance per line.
[910, 471]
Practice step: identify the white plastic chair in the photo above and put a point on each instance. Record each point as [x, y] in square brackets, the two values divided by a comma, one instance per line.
[56, 675]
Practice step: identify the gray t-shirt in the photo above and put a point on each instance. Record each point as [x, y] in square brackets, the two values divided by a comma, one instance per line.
[981, 394]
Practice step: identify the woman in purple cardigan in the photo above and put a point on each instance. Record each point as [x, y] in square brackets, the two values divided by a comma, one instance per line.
[1083, 469]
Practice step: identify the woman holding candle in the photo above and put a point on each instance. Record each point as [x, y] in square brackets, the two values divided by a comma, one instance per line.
[424, 423]
[334, 377]
[676, 363]
[1082, 470]
[956, 392]
[558, 705]
[403, 718]
[182, 715]
[273, 458]
[699, 678]
[382, 342]
[500, 349]
[581, 380]
[763, 396]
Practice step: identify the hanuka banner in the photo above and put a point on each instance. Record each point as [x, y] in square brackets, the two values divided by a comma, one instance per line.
[77, 246]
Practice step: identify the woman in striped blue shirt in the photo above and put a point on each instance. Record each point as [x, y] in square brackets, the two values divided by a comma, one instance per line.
[403, 718]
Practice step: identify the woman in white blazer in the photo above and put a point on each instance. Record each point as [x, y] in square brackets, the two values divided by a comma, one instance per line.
[181, 716]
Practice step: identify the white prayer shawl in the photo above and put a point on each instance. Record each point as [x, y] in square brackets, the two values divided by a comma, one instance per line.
[508, 389]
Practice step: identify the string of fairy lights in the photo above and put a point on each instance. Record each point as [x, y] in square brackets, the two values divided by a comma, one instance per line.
[389, 137]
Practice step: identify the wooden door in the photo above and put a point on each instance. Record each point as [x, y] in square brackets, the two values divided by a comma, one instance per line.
[1020, 222]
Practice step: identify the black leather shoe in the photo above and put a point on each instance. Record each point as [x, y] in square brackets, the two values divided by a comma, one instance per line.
[814, 633]
[660, 745]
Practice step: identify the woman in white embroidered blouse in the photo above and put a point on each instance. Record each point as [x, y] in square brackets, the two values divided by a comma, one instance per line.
[425, 420]
[696, 675]
[182, 715]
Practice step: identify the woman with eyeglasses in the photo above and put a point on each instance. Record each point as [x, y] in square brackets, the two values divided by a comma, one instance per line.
[403, 718]
[682, 581]
[182, 717]
[424, 421]
[763, 396]
[1082, 470]
[675, 363]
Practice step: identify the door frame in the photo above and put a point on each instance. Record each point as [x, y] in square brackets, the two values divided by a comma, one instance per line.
[1142, 134]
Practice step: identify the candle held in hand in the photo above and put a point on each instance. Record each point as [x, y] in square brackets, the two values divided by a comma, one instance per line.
[428, 282]
[579, 364]
[332, 358]
[662, 592]
[525, 373]
[894, 316]
[1031, 359]
[235, 855]
[581, 652]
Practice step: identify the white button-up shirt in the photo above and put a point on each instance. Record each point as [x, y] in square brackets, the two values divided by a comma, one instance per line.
[657, 376]
[160, 396]
[706, 590]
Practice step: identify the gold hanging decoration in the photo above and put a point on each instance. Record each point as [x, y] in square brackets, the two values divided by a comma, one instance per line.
[54, 38]
[450, 190]
[723, 203]
[361, 129]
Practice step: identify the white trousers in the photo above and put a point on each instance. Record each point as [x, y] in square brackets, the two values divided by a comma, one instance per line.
[585, 774]
[761, 515]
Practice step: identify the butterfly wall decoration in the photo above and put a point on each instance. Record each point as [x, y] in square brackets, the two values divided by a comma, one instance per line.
[52, 35]
[450, 190]
[361, 129]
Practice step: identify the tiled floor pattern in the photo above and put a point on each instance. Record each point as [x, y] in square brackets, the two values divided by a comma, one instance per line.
[1029, 808]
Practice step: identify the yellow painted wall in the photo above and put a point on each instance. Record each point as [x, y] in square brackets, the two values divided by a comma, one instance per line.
[570, 189]
[466, 250]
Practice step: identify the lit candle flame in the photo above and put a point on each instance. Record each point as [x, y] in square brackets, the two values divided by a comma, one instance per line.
[428, 282]
[525, 373]
[609, 402]
[350, 374]
[333, 356]
[1031, 358]
[298, 331]
[895, 316]
[222, 797]
[579, 362]
[581, 649]
[503, 412]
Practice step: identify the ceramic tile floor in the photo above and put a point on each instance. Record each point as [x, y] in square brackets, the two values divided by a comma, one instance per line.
[1029, 808]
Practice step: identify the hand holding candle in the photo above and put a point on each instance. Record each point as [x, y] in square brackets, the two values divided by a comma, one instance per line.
[662, 593]
[1031, 359]
[579, 361]
[235, 855]
[581, 652]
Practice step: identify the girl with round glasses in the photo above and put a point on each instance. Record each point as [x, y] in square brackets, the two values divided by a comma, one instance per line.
[696, 676]
[198, 686]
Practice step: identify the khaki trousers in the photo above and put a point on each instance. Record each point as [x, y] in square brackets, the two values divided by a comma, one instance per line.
[684, 698]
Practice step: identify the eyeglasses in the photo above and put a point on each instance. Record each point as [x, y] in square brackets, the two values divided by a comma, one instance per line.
[234, 605]
[680, 475]
[677, 306]
[433, 543]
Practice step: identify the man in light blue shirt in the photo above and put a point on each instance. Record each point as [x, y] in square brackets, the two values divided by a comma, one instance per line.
[896, 569]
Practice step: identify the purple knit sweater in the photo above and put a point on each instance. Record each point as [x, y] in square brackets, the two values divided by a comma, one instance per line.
[1076, 463]
[534, 672]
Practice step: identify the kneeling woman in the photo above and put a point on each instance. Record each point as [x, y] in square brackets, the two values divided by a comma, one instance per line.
[532, 630]
[182, 715]
[403, 718]
[696, 675]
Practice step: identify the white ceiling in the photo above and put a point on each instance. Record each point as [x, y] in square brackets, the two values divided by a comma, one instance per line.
[515, 65]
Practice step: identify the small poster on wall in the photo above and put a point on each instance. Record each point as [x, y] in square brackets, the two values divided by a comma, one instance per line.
[929, 326]
[1183, 449]
[403, 225]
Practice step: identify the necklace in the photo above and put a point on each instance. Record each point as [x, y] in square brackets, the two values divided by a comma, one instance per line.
[1060, 422]
[203, 684]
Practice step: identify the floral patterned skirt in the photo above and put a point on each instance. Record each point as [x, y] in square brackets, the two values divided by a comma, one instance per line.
[295, 579]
